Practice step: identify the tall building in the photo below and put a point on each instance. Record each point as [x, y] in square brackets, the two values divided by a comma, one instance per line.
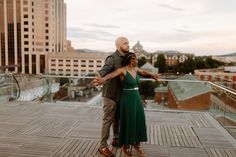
[29, 30]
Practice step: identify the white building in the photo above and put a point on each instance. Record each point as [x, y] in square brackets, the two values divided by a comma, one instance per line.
[76, 63]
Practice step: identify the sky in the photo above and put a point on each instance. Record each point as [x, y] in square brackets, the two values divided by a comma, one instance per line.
[202, 27]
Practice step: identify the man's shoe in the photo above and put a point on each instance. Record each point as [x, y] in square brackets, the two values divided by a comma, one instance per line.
[115, 143]
[106, 152]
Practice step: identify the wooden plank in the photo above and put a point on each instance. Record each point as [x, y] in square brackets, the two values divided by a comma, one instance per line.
[160, 142]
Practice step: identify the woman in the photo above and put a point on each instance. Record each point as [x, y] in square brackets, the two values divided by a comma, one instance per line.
[132, 117]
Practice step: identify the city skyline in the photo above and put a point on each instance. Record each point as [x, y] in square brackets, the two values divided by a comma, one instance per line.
[203, 27]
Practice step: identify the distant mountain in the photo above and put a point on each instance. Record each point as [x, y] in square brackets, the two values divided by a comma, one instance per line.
[88, 50]
[167, 51]
[230, 55]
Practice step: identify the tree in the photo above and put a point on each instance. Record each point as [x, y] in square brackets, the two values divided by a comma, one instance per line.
[161, 63]
[212, 63]
[200, 63]
[188, 66]
[142, 61]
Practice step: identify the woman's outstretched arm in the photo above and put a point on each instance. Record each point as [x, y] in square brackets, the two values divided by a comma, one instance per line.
[101, 80]
[146, 73]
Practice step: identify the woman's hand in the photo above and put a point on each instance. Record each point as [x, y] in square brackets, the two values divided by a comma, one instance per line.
[155, 76]
[98, 81]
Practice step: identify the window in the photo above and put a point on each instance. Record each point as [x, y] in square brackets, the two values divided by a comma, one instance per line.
[26, 23]
[26, 43]
[25, 9]
[25, 16]
[46, 37]
[26, 49]
[25, 2]
[26, 29]
[26, 36]
[46, 25]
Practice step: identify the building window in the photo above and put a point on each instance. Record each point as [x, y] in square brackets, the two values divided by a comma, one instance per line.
[26, 23]
[26, 43]
[46, 31]
[25, 2]
[25, 16]
[46, 37]
[46, 25]
[25, 9]
[26, 29]
[26, 36]
[26, 49]
[90, 66]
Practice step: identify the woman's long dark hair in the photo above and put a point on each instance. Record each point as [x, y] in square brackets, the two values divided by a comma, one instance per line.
[127, 58]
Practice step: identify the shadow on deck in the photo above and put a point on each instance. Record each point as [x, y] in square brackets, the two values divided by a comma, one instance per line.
[50, 129]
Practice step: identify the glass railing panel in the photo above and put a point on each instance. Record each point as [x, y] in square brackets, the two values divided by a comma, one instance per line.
[182, 93]
[9, 88]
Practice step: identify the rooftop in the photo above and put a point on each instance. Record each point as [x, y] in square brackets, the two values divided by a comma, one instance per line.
[64, 129]
[186, 90]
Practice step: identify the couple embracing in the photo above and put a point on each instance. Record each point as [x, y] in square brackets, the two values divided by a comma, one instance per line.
[122, 105]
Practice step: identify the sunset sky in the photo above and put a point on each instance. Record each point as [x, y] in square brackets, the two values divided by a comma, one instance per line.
[203, 27]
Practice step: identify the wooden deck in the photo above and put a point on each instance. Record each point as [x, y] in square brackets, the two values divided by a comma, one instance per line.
[31, 129]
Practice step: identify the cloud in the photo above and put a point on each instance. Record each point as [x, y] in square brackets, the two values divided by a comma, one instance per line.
[181, 30]
[170, 7]
[103, 26]
[79, 32]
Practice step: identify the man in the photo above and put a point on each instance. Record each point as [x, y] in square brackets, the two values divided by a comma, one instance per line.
[111, 95]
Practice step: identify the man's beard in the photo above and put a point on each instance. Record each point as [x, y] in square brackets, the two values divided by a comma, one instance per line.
[125, 51]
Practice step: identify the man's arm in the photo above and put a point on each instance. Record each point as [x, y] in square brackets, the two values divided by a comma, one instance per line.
[108, 66]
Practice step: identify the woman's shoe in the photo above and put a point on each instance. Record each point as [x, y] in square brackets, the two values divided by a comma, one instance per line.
[139, 150]
[127, 151]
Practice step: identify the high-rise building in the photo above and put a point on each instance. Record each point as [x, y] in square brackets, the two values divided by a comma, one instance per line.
[29, 30]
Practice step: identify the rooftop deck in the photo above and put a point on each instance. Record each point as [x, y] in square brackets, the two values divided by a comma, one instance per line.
[49, 129]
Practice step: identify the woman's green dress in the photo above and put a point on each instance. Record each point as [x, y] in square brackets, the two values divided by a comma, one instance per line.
[132, 118]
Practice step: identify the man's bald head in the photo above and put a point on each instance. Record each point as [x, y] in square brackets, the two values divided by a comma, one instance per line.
[122, 44]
